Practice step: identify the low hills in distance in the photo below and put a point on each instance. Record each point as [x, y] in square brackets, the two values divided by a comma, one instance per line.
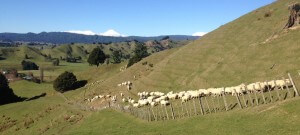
[65, 37]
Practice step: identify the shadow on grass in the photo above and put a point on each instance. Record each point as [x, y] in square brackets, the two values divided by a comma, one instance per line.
[36, 97]
[77, 85]
[1, 58]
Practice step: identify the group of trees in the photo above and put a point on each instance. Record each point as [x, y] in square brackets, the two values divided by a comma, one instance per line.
[6, 93]
[97, 56]
[140, 52]
[28, 65]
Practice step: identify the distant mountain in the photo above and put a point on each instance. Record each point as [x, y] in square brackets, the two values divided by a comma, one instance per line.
[65, 37]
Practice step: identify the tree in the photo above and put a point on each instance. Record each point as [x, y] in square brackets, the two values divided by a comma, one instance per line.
[165, 38]
[96, 57]
[28, 65]
[49, 56]
[26, 56]
[55, 62]
[140, 52]
[6, 94]
[65, 82]
[117, 56]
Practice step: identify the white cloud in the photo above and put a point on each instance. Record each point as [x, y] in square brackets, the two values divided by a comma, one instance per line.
[199, 34]
[86, 32]
[110, 32]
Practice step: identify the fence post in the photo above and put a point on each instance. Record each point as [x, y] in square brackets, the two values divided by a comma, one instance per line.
[294, 86]
[186, 108]
[172, 110]
[287, 87]
[182, 110]
[201, 106]
[191, 108]
[155, 116]
[162, 112]
[263, 95]
[195, 107]
[150, 118]
[238, 99]
[218, 103]
[167, 112]
[159, 113]
[244, 100]
[224, 98]
[213, 102]
[256, 99]
[249, 96]
[269, 91]
[207, 104]
[178, 110]
[277, 90]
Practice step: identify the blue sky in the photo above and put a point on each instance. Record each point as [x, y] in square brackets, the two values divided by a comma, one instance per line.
[128, 17]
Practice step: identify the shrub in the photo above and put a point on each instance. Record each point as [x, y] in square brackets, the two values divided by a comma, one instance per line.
[28, 65]
[268, 14]
[64, 82]
[145, 63]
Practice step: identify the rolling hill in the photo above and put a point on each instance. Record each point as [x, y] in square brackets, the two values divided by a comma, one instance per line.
[232, 54]
[40, 53]
[65, 38]
[252, 48]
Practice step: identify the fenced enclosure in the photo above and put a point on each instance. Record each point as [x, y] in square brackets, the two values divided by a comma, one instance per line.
[205, 105]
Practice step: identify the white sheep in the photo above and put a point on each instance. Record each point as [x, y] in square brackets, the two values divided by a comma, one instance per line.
[164, 102]
[137, 105]
[153, 104]
[124, 100]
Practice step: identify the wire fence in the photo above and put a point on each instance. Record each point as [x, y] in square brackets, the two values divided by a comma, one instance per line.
[205, 105]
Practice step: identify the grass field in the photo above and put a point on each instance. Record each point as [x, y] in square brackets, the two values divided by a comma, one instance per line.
[233, 54]
[278, 118]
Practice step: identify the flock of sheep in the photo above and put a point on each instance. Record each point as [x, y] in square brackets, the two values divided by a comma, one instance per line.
[156, 98]
[159, 98]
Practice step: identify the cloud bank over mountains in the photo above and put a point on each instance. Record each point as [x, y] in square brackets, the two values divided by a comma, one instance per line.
[199, 34]
[113, 33]
[108, 33]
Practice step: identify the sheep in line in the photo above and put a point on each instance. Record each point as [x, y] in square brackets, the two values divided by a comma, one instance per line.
[128, 84]
[95, 98]
[155, 98]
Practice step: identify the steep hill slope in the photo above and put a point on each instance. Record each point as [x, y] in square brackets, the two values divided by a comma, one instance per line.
[232, 54]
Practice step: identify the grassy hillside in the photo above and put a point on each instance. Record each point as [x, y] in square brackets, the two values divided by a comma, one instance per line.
[230, 55]
[281, 118]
